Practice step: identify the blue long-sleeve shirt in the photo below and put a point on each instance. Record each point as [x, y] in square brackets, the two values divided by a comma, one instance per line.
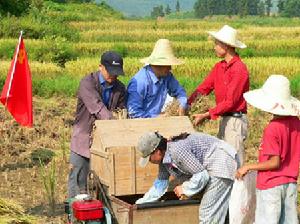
[147, 93]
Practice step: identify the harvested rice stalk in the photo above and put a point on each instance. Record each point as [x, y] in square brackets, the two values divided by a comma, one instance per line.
[172, 109]
[12, 212]
[200, 106]
[8, 207]
[120, 114]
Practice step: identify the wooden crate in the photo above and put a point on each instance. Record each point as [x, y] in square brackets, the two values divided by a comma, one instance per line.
[115, 159]
[175, 211]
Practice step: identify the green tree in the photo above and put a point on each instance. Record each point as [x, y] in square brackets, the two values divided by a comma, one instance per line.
[168, 10]
[269, 5]
[157, 11]
[280, 6]
[221, 7]
[252, 7]
[177, 6]
[261, 8]
[14, 7]
[292, 8]
[211, 7]
[231, 7]
[200, 8]
[242, 8]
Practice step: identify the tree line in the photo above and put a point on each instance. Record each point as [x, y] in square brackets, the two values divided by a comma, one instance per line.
[288, 8]
[21, 7]
[159, 11]
[202, 8]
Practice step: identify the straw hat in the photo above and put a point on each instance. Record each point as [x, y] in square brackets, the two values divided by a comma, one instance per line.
[274, 97]
[162, 54]
[227, 35]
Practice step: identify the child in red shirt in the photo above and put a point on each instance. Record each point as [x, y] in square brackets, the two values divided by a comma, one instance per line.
[279, 153]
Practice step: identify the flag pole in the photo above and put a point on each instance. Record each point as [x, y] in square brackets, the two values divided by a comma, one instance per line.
[14, 66]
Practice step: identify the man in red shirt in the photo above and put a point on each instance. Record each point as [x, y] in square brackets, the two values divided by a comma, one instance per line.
[279, 153]
[229, 79]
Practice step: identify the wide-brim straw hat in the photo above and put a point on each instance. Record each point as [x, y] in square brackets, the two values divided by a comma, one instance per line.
[162, 54]
[274, 97]
[227, 35]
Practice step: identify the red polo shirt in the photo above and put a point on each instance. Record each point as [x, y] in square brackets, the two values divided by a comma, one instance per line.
[229, 81]
[281, 138]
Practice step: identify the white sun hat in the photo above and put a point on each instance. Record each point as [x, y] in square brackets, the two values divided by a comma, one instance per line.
[162, 54]
[274, 97]
[227, 35]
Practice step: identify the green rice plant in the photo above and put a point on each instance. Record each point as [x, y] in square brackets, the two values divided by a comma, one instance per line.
[64, 85]
[138, 46]
[295, 86]
[210, 23]
[64, 144]
[49, 180]
[121, 49]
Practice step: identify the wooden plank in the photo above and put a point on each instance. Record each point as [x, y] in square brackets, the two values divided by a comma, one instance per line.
[126, 213]
[97, 141]
[120, 133]
[123, 186]
[100, 153]
[129, 177]
[112, 186]
[176, 214]
[119, 170]
[121, 210]
[133, 170]
[101, 165]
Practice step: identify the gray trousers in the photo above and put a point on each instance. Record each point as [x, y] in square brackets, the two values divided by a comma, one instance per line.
[234, 131]
[80, 167]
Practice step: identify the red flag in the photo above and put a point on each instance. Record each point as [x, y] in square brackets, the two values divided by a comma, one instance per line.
[17, 90]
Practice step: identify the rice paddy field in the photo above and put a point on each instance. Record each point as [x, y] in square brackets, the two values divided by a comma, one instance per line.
[273, 48]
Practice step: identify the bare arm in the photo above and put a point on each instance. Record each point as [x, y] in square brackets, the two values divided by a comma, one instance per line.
[199, 118]
[271, 164]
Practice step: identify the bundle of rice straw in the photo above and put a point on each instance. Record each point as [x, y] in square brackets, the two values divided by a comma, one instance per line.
[12, 212]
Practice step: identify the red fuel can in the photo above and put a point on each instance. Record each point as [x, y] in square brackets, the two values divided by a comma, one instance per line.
[87, 210]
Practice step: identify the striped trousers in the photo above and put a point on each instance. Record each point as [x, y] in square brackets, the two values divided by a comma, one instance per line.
[214, 204]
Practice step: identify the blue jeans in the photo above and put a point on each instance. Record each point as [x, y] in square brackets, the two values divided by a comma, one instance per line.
[277, 205]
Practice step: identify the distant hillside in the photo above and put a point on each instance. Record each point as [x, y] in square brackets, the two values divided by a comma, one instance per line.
[142, 8]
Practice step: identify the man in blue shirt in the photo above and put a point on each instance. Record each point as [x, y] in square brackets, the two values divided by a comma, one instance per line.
[148, 89]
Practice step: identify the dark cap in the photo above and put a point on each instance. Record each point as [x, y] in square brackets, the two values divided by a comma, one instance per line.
[113, 63]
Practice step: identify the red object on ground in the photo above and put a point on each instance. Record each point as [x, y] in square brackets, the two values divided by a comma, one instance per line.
[16, 95]
[88, 210]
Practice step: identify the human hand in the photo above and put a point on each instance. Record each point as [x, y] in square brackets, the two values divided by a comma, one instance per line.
[162, 115]
[178, 191]
[241, 172]
[181, 111]
[199, 118]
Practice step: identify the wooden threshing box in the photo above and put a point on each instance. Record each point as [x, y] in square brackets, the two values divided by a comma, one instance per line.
[170, 210]
[115, 159]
